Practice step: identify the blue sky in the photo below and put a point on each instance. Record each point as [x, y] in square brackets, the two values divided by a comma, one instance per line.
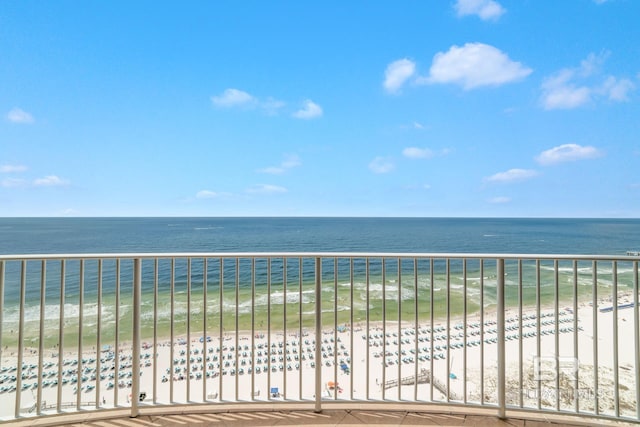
[466, 108]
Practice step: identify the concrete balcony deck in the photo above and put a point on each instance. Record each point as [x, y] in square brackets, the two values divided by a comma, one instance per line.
[336, 417]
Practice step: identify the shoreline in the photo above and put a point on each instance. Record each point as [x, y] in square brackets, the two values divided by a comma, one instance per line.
[626, 295]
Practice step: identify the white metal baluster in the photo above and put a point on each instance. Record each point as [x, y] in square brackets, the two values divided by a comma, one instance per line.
[368, 331]
[236, 360]
[520, 346]
[335, 326]
[23, 285]
[205, 332]
[98, 334]
[448, 305]
[464, 330]
[431, 317]
[63, 264]
[538, 335]
[318, 334]
[284, 322]
[155, 330]
[384, 328]
[43, 281]
[269, 326]
[253, 328]
[351, 327]
[188, 322]
[481, 331]
[416, 327]
[221, 341]
[594, 291]
[116, 370]
[300, 321]
[80, 332]
[614, 299]
[576, 372]
[172, 291]
[556, 310]
[501, 340]
[136, 336]
[399, 280]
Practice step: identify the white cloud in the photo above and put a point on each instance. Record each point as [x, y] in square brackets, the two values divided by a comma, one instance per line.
[69, 212]
[474, 65]
[574, 87]
[512, 175]
[290, 161]
[557, 94]
[266, 189]
[593, 63]
[499, 200]
[418, 187]
[381, 165]
[617, 89]
[13, 182]
[272, 170]
[17, 115]
[206, 194]
[50, 181]
[12, 168]
[413, 125]
[272, 106]
[417, 153]
[397, 73]
[47, 181]
[309, 110]
[560, 91]
[485, 9]
[567, 153]
[233, 98]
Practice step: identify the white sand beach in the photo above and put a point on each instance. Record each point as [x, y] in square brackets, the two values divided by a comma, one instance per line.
[279, 368]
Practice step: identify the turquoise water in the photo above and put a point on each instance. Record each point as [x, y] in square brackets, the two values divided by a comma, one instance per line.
[261, 294]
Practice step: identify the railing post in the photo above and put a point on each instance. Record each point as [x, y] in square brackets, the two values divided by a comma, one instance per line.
[318, 356]
[636, 332]
[501, 339]
[137, 301]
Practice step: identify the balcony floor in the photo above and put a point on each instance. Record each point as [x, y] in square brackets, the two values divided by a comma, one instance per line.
[335, 418]
[326, 418]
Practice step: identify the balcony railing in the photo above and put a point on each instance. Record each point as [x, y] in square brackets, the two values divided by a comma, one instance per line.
[545, 333]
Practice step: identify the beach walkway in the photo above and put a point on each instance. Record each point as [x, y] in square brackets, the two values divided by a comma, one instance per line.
[423, 377]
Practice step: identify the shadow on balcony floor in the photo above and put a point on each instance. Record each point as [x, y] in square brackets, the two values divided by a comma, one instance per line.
[330, 418]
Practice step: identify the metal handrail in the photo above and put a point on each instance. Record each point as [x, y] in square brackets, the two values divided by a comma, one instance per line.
[229, 255]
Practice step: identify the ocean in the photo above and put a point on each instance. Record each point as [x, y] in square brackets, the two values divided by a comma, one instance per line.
[270, 296]
[459, 235]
